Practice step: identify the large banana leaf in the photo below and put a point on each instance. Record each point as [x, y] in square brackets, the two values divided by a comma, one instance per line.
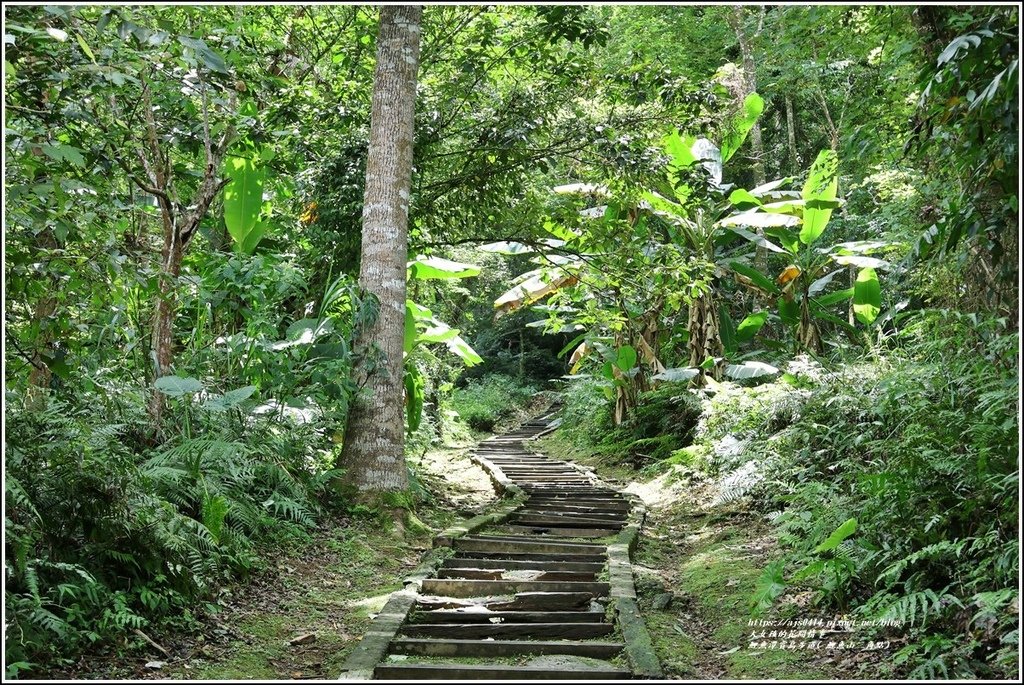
[740, 126]
[243, 199]
[822, 184]
[867, 296]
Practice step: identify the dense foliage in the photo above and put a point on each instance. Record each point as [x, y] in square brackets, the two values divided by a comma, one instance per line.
[777, 245]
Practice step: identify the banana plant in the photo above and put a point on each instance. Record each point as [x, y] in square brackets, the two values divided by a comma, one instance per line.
[797, 224]
[693, 201]
[422, 328]
[693, 207]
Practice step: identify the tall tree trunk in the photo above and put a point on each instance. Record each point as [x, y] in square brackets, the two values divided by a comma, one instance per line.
[794, 163]
[750, 86]
[164, 309]
[373, 452]
[736, 18]
[40, 375]
[180, 225]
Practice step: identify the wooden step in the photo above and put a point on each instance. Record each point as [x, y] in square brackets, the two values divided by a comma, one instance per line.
[452, 616]
[566, 521]
[522, 601]
[449, 587]
[414, 672]
[595, 557]
[512, 565]
[500, 648]
[496, 574]
[570, 631]
[509, 547]
[526, 539]
[559, 532]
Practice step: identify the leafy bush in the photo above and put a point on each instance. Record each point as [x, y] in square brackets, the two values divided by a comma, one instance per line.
[483, 403]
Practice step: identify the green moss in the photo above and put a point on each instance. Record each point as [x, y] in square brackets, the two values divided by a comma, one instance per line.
[268, 636]
[676, 650]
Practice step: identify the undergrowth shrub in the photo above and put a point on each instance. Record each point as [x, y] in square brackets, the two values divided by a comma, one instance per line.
[105, 536]
[485, 402]
[894, 492]
[663, 421]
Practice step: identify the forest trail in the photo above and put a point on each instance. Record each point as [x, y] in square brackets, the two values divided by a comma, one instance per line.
[542, 590]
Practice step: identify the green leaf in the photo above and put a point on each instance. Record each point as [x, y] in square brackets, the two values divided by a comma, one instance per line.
[626, 359]
[811, 570]
[860, 261]
[461, 349]
[848, 528]
[822, 282]
[758, 219]
[230, 399]
[573, 344]
[410, 328]
[430, 268]
[85, 47]
[418, 312]
[759, 279]
[743, 198]
[414, 385]
[205, 53]
[749, 370]
[749, 327]
[832, 298]
[757, 240]
[176, 386]
[822, 184]
[243, 197]
[677, 374]
[214, 511]
[867, 296]
[253, 237]
[65, 153]
[439, 333]
[726, 329]
[770, 586]
[790, 241]
[679, 149]
[741, 124]
[789, 311]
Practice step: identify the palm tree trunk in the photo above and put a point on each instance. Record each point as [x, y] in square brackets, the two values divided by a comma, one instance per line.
[373, 453]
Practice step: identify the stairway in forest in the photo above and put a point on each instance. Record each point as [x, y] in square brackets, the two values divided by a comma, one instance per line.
[543, 590]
